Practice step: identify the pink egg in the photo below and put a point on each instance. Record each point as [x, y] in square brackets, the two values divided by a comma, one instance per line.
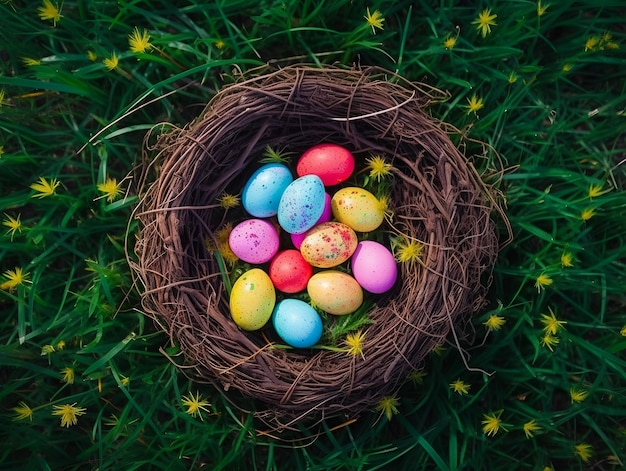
[254, 240]
[331, 162]
[290, 272]
[374, 267]
[327, 214]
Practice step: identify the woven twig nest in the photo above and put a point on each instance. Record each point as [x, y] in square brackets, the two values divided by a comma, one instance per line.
[437, 198]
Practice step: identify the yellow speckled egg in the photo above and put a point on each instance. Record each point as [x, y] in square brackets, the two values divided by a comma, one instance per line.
[358, 208]
[335, 292]
[328, 244]
[252, 299]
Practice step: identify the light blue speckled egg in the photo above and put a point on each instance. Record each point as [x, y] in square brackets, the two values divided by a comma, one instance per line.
[263, 190]
[297, 323]
[302, 204]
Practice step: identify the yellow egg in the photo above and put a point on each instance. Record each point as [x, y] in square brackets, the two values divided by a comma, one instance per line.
[357, 208]
[252, 299]
[335, 292]
[328, 244]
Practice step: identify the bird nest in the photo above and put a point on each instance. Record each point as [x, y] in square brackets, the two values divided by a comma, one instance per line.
[437, 198]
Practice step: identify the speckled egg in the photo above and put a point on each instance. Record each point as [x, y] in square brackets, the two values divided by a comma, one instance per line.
[328, 244]
[327, 214]
[297, 323]
[358, 208]
[335, 292]
[261, 193]
[254, 240]
[331, 162]
[301, 204]
[374, 267]
[289, 271]
[252, 299]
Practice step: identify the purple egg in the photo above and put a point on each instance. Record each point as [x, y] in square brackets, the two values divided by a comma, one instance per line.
[254, 240]
[374, 267]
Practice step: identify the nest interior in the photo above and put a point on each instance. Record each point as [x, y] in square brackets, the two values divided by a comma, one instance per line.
[438, 198]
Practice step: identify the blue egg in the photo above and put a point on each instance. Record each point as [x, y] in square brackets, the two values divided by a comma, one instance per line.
[297, 323]
[302, 204]
[262, 192]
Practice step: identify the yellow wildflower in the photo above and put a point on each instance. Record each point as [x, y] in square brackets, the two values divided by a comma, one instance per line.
[587, 214]
[222, 245]
[578, 394]
[92, 56]
[449, 42]
[474, 104]
[542, 281]
[584, 451]
[139, 41]
[30, 62]
[549, 341]
[592, 43]
[485, 21]
[23, 411]
[2, 94]
[228, 201]
[69, 413]
[195, 404]
[567, 67]
[531, 427]
[125, 381]
[408, 251]
[354, 343]
[50, 11]
[494, 322]
[388, 405]
[622, 331]
[567, 260]
[110, 188]
[512, 77]
[375, 20]
[551, 325]
[112, 62]
[60, 344]
[47, 350]
[384, 205]
[418, 376]
[14, 278]
[541, 9]
[68, 375]
[379, 168]
[14, 224]
[45, 187]
[460, 387]
[596, 190]
[492, 423]
[219, 44]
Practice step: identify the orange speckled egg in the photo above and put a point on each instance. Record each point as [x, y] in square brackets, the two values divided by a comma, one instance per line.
[335, 292]
[328, 244]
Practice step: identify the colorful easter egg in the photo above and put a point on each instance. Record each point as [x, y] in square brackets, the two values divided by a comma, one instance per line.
[335, 292]
[301, 204]
[358, 208]
[374, 267]
[254, 240]
[331, 162]
[289, 271]
[263, 190]
[297, 323]
[327, 214]
[328, 244]
[252, 299]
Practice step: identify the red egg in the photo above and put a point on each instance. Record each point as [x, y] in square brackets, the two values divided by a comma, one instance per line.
[331, 162]
[290, 272]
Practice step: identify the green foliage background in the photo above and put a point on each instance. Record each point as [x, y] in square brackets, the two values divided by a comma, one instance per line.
[551, 79]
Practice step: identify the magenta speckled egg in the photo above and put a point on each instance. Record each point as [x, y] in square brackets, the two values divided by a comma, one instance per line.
[374, 267]
[331, 162]
[254, 240]
[328, 244]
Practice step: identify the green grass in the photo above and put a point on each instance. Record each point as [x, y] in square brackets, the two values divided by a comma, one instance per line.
[553, 91]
